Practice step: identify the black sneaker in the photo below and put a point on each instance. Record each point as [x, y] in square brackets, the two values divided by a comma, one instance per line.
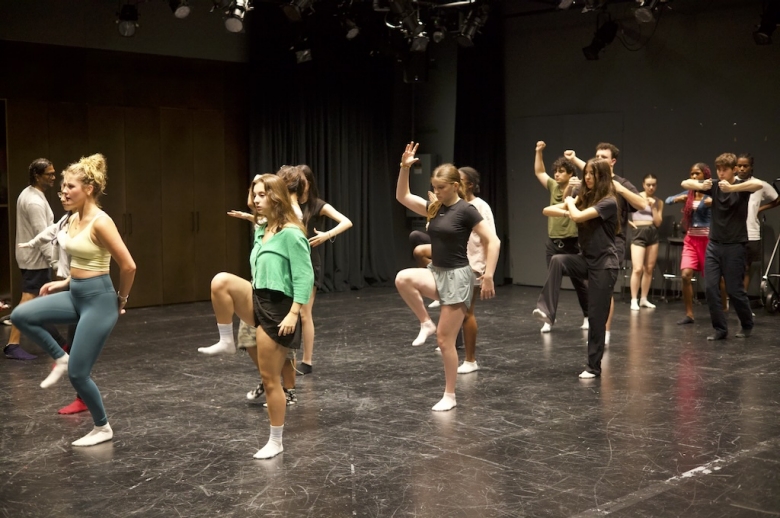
[290, 395]
[304, 368]
[256, 392]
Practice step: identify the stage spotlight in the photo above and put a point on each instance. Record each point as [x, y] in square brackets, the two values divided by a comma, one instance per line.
[128, 20]
[644, 13]
[440, 31]
[604, 36]
[302, 56]
[410, 19]
[235, 15]
[420, 43]
[770, 18]
[180, 8]
[295, 9]
[471, 26]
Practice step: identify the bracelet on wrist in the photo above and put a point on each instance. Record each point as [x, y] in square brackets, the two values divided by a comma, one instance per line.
[122, 299]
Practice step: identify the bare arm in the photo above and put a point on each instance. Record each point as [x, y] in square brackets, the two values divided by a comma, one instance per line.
[751, 185]
[402, 192]
[107, 235]
[558, 210]
[571, 155]
[635, 200]
[488, 235]
[539, 170]
[577, 215]
[696, 185]
[343, 225]
[770, 205]
[658, 213]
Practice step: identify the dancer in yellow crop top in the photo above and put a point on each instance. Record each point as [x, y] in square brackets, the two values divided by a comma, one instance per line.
[87, 298]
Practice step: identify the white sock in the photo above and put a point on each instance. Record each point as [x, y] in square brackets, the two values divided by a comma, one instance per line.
[606, 338]
[427, 329]
[274, 445]
[467, 367]
[226, 344]
[96, 436]
[446, 403]
[60, 369]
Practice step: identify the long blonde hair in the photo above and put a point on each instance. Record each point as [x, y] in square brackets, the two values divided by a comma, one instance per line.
[276, 191]
[450, 174]
[92, 171]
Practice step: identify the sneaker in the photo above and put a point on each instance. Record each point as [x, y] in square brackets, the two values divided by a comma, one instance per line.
[634, 305]
[685, 320]
[585, 324]
[304, 368]
[15, 352]
[256, 392]
[467, 367]
[646, 304]
[435, 304]
[290, 395]
[74, 408]
[546, 328]
[585, 375]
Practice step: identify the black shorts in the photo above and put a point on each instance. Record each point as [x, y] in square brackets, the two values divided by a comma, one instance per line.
[753, 252]
[33, 280]
[645, 236]
[270, 307]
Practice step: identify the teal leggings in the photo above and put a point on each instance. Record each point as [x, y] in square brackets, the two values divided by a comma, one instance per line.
[92, 305]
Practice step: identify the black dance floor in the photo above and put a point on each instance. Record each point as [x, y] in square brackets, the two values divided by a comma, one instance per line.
[676, 426]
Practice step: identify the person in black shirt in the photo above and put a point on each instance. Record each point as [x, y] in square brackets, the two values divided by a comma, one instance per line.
[595, 210]
[726, 248]
[449, 278]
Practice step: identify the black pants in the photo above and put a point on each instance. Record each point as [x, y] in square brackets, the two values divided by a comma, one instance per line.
[573, 266]
[601, 283]
[727, 261]
[568, 246]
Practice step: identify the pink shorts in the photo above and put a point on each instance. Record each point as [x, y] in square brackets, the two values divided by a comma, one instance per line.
[693, 252]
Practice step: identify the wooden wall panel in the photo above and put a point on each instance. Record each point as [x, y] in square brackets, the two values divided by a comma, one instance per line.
[143, 203]
[178, 213]
[68, 142]
[237, 177]
[208, 135]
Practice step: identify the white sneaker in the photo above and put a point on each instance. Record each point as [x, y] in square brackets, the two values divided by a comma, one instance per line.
[546, 328]
[634, 305]
[585, 375]
[585, 324]
[467, 367]
[435, 304]
[646, 304]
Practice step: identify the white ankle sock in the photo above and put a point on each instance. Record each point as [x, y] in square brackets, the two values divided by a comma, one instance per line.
[606, 338]
[427, 329]
[274, 445]
[60, 368]
[226, 344]
[96, 436]
[446, 403]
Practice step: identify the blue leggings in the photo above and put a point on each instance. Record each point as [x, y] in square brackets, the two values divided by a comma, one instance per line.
[93, 306]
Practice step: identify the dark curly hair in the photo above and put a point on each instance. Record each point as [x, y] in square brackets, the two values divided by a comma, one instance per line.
[565, 164]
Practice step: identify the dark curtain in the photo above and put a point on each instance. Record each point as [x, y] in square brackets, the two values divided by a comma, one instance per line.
[480, 139]
[333, 113]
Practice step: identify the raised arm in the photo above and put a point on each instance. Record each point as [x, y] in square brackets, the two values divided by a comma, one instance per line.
[571, 155]
[343, 224]
[402, 192]
[539, 170]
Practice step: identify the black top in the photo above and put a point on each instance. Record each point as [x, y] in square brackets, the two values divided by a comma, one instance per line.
[450, 230]
[597, 236]
[318, 222]
[729, 215]
[623, 206]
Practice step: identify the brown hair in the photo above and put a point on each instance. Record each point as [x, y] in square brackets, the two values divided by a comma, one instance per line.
[612, 148]
[293, 178]
[450, 174]
[276, 191]
[726, 159]
[602, 186]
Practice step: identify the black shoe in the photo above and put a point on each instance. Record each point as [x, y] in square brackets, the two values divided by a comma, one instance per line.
[304, 368]
[744, 333]
[686, 320]
[719, 335]
[257, 392]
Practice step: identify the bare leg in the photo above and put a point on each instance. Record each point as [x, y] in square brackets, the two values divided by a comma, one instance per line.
[637, 262]
[413, 284]
[230, 295]
[272, 358]
[687, 291]
[450, 322]
[470, 328]
[422, 255]
[307, 328]
[651, 257]
[288, 374]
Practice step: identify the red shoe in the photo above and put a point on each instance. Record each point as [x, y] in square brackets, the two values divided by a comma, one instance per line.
[66, 348]
[74, 408]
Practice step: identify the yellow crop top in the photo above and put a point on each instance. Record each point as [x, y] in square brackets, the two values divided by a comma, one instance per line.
[84, 253]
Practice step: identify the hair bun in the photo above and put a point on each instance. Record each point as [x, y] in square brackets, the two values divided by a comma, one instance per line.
[96, 162]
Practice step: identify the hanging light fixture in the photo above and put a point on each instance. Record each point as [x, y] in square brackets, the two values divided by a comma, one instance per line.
[474, 21]
[295, 9]
[127, 21]
[235, 15]
[181, 8]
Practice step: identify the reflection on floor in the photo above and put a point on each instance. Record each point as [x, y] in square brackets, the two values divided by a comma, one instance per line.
[676, 426]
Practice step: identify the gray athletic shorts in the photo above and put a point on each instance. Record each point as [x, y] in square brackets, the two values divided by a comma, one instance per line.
[455, 285]
[247, 337]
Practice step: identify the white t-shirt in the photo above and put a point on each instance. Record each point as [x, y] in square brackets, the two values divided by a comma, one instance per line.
[474, 249]
[761, 197]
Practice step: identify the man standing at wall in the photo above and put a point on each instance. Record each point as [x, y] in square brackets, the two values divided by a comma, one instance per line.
[726, 248]
[33, 215]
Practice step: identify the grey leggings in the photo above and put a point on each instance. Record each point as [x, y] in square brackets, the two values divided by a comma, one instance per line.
[93, 306]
